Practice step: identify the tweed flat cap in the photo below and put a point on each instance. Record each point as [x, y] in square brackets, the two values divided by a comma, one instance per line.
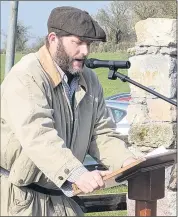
[72, 21]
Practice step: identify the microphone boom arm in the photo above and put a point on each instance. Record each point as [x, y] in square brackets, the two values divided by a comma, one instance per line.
[113, 75]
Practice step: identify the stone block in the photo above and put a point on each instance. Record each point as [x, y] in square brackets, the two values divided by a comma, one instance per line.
[160, 110]
[153, 50]
[173, 179]
[156, 32]
[169, 51]
[152, 71]
[137, 113]
[152, 134]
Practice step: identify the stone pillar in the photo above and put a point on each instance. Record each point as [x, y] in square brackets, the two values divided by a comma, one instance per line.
[153, 120]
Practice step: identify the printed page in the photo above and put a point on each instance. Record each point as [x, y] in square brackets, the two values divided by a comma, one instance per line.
[157, 151]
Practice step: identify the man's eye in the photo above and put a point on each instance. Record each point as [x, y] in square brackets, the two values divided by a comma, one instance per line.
[81, 42]
[77, 42]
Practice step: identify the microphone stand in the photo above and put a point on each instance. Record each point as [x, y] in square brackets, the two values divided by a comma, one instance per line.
[113, 75]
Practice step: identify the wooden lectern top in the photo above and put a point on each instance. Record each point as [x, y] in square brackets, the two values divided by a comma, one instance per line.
[149, 163]
[143, 164]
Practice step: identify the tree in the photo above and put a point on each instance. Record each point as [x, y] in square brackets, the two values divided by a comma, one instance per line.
[153, 9]
[114, 20]
[22, 37]
[40, 41]
[168, 9]
[119, 18]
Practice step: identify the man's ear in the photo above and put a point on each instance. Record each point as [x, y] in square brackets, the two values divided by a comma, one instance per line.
[52, 37]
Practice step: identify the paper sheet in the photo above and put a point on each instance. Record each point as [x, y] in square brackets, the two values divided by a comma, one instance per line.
[159, 150]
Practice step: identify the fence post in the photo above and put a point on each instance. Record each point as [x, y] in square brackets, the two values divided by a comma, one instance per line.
[10, 49]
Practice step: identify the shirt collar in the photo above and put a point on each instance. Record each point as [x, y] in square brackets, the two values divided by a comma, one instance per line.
[62, 74]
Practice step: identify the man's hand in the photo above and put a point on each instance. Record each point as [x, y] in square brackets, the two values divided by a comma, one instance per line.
[90, 181]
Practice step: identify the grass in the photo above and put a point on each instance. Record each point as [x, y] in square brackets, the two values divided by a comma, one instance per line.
[110, 87]
[112, 190]
[18, 56]
[110, 213]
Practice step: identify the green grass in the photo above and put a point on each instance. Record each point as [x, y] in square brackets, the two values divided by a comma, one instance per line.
[112, 190]
[110, 213]
[110, 87]
[18, 56]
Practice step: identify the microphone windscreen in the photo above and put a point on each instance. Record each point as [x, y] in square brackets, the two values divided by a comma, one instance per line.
[89, 62]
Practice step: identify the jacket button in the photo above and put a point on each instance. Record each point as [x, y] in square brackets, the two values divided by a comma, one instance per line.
[67, 171]
[20, 181]
[60, 178]
[2, 121]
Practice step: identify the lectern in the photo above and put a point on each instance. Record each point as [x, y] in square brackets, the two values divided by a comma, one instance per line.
[146, 182]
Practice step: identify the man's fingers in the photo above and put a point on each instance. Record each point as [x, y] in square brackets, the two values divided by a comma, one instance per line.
[98, 178]
[94, 183]
[105, 173]
[90, 181]
[85, 187]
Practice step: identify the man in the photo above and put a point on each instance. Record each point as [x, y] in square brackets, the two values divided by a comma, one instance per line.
[53, 113]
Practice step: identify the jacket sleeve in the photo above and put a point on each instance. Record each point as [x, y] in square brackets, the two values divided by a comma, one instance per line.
[106, 146]
[32, 121]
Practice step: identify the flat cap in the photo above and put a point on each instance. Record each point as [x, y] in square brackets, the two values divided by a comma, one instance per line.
[67, 21]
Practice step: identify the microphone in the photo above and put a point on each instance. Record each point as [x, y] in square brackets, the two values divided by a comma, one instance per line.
[95, 63]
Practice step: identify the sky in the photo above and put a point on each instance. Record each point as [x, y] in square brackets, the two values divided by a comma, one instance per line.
[35, 13]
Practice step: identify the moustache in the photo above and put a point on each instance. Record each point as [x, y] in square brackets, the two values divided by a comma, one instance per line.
[79, 59]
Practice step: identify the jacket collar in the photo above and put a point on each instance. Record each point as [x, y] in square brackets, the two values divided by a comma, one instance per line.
[48, 65]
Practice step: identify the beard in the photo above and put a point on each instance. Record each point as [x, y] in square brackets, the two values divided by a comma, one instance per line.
[65, 62]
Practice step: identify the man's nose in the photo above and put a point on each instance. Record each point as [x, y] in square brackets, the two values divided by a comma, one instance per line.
[84, 49]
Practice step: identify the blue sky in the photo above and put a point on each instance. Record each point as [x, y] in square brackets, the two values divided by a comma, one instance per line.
[35, 13]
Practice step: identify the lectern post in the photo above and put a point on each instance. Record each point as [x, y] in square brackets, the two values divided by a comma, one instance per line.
[146, 188]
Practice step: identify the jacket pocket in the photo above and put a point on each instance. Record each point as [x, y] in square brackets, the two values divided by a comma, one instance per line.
[20, 199]
[24, 171]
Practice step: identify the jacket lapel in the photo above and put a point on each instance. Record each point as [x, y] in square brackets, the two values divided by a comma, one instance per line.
[48, 65]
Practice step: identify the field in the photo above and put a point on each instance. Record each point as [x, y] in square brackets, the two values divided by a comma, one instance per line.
[110, 87]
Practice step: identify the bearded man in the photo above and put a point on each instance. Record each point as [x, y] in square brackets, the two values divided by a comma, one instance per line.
[52, 114]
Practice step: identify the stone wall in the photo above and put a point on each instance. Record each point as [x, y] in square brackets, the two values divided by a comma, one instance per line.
[153, 121]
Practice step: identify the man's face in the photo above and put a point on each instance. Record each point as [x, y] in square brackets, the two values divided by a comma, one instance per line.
[70, 53]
